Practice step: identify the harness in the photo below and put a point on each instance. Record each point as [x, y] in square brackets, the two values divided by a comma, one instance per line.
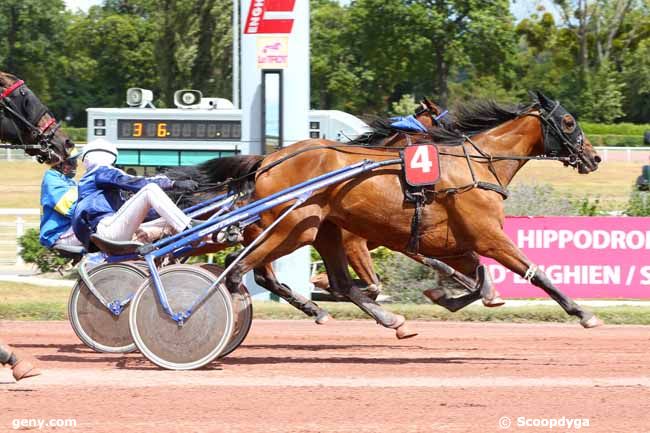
[11, 99]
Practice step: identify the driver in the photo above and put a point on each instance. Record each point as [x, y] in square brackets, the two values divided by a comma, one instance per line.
[102, 208]
[58, 201]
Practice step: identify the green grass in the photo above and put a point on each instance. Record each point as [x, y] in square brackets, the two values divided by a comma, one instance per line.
[612, 182]
[614, 129]
[28, 302]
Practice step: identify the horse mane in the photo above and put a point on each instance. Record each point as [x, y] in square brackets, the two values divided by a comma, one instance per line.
[469, 119]
[7, 79]
[475, 118]
[381, 130]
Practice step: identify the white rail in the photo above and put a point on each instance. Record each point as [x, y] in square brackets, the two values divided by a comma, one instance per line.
[627, 154]
[11, 231]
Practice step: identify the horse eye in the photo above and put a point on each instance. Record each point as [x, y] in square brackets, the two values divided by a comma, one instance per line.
[568, 124]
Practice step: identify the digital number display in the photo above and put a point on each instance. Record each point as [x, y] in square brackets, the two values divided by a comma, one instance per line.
[178, 130]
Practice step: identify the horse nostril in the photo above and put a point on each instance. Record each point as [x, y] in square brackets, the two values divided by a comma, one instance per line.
[597, 159]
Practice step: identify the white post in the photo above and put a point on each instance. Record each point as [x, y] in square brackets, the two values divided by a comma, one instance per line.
[20, 230]
[628, 154]
[605, 155]
[235, 53]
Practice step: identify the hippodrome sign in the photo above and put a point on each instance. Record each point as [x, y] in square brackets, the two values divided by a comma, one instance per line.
[586, 257]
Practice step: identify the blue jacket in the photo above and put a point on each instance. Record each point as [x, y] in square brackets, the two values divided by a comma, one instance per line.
[58, 200]
[100, 196]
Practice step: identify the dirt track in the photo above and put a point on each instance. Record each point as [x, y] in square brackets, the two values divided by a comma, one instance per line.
[294, 376]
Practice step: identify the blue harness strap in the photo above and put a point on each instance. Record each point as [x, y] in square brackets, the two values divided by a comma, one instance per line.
[408, 123]
[411, 124]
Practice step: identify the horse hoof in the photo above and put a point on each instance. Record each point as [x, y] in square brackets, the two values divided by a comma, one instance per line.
[592, 322]
[433, 294]
[497, 301]
[23, 370]
[323, 317]
[404, 332]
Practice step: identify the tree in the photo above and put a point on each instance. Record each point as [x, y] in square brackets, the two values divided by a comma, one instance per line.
[108, 52]
[464, 40]
[31, 41]
[335, 79]
[602, 96]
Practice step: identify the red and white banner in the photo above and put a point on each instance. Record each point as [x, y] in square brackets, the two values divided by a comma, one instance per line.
[270, 16]
[586, 257]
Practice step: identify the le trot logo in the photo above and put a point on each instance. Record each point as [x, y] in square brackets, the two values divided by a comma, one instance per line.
[270, 16]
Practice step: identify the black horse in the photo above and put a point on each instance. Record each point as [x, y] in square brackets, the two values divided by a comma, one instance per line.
[27, 124]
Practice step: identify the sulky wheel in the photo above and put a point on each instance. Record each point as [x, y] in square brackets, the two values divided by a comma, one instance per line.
[243, 312]
[95, 325]
[198, 340]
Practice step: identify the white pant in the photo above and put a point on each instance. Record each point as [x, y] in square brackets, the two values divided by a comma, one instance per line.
[122, 225]
[68, 238]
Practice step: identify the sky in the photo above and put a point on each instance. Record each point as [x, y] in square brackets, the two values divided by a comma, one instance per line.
[520, 8]
[81, 4]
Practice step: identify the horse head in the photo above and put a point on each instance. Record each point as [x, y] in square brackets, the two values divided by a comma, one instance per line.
[428, 113]
[26, 123]
[563, 137]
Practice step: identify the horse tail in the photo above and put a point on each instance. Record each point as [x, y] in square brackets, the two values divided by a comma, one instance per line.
[239, 170]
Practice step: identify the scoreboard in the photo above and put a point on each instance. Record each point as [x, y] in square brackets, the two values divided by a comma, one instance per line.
[148, 139]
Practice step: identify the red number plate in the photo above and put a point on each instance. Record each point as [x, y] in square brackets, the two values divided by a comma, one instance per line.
[421, 165]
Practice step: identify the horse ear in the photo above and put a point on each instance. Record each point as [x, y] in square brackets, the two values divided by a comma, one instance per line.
[544, 100]
[431, 105]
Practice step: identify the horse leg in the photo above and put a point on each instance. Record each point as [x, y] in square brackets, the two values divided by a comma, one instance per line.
[21, 369]
[358, 255]
[470, 274]
[336, 264]
[356, 250]
[297, 230]
[499, 247]
[265, 277]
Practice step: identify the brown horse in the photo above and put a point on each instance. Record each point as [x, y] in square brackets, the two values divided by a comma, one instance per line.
[462, 217]
[28, 125]
[356, 247]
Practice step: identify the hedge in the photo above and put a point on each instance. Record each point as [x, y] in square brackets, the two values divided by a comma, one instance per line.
[616, 140]
[78, 135]
[614, 129]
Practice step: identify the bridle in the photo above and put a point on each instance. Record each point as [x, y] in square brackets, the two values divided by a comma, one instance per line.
[556, 141]
[435, 116]
[11, 99]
